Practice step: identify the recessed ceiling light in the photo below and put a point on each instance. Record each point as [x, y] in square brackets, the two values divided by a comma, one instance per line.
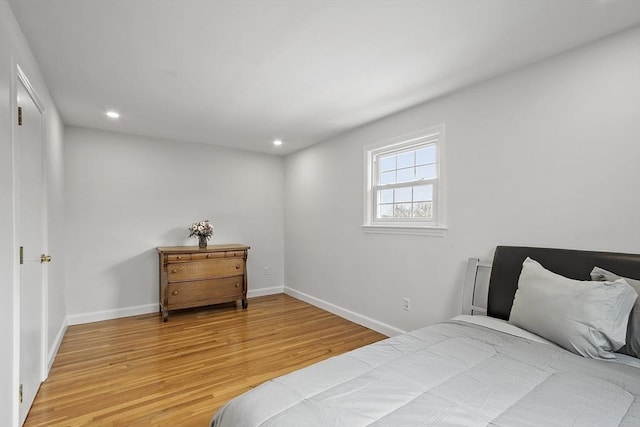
[113, 114]
[277, 142]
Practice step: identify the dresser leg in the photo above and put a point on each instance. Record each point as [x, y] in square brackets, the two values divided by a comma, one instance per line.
[245, 303]
[165, 315]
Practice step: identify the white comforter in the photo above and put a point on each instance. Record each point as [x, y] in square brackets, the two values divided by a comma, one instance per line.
[450, 374]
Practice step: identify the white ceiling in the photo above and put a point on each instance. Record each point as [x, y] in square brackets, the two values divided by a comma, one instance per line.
[241, 73]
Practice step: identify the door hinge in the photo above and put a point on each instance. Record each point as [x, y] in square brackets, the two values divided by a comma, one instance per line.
[20, 393]
[19, 116]
[21, 254]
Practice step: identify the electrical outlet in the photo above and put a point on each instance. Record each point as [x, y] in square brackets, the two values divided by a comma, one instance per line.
[266, 271]
[406, 304]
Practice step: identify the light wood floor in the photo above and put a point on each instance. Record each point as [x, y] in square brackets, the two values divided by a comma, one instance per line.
[139, 371]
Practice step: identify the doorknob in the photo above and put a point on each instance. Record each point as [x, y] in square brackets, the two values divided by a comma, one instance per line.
[45, 258]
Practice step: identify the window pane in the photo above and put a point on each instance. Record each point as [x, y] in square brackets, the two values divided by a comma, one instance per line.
[426, 155]
[388, 177]
[426, 172]
[385, 211]
[402, 210]
[403, 195]
[403, 177]
[423, 193]
[387, 163]
[406, 159]
[385, 196]
[423, 210]
[407, 174]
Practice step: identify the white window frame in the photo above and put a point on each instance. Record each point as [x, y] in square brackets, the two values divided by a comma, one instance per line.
[436, 226]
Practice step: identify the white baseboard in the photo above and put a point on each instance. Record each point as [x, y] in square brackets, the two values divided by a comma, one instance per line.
[56, 345]
[265, 291]
[365, 321]
[78, 319]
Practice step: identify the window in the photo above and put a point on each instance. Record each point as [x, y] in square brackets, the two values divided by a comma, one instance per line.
[405, 184]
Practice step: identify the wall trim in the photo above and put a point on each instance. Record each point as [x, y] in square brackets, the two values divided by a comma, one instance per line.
[265, 291]
[97, 316]
[53, 351]
[79, 319]
[405, 229]
[29, 87]
[360, 319]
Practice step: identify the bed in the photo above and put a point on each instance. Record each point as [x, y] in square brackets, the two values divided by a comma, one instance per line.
[483, 370]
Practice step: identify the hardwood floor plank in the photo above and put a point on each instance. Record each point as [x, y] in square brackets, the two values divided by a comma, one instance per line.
[140, 371]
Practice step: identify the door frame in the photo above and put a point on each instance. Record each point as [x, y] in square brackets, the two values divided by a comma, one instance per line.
[22, 79]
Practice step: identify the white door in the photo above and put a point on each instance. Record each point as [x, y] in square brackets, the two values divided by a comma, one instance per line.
[30, 237]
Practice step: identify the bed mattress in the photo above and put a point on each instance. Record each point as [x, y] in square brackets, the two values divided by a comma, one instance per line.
[463, 372]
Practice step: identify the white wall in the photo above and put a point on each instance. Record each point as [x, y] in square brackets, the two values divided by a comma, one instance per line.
[545, 156]
[15, 51]
[126, 195]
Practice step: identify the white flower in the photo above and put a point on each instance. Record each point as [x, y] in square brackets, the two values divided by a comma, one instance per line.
[201, 229]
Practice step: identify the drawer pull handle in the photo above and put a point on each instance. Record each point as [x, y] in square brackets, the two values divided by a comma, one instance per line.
[238, 267]
[179, 257]
[237, 285]
[174, 293]
[208, 255]
[174, 271]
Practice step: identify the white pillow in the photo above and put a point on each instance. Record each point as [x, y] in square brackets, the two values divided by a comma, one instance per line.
[632, 346]
[586, 318]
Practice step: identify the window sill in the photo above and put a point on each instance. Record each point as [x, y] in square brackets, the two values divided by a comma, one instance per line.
[416, 230]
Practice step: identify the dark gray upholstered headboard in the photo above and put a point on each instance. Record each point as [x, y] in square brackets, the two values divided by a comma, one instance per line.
[507, 264]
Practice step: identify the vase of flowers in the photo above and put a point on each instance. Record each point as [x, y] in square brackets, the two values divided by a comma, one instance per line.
[203, 230]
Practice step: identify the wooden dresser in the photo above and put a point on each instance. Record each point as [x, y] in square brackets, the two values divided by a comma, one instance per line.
[193, 277]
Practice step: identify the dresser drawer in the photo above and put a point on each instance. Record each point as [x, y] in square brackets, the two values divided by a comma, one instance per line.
[205, 269]
[204, 292]
[230, 254]
[181, 257]
[209, 255]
